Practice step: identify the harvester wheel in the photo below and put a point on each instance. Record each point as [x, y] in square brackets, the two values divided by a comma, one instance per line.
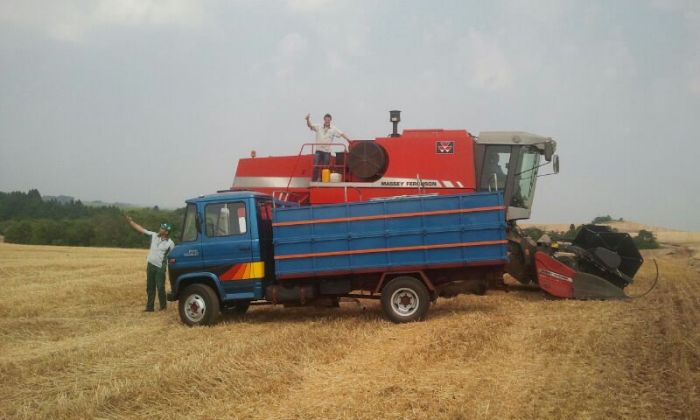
[199, 305]
[405, 299]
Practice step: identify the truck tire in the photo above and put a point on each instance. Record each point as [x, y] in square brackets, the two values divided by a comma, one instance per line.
[199, 305]
[405, 299]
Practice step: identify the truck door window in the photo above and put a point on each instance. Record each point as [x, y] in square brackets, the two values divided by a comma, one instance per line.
[493, 176]
[225, 219]
[189, 230]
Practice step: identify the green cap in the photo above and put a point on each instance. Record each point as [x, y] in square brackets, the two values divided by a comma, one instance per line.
[166, 226]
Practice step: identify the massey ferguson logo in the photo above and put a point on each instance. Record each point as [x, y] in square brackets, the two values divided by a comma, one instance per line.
[444, 147]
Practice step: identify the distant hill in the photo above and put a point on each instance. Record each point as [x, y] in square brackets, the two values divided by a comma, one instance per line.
[62, 199]
[99, 203]
[67, 199]
[29, 218]
[664, 235]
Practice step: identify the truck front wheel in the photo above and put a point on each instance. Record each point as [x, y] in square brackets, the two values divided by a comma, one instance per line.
[199, 305]
[405, 299]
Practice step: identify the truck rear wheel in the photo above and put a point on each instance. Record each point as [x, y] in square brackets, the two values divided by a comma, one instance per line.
[405, 299]
[199, 305]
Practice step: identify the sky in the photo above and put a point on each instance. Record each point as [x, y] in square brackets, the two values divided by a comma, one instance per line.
[153, 102]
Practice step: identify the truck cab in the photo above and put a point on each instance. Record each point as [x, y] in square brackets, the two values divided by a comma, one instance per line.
[226, 245]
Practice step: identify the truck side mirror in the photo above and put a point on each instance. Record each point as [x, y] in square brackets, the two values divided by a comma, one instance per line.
[548, 150]
[555, 164]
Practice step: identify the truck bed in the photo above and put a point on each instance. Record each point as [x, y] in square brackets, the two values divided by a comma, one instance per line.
[416, 232]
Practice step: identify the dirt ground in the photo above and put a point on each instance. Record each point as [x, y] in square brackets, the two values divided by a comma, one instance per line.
[75, 344]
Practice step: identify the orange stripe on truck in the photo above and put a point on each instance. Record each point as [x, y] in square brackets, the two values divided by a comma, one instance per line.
[388, 216]
[395, 249]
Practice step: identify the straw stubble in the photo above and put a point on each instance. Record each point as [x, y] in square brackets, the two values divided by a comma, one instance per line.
[75, 344]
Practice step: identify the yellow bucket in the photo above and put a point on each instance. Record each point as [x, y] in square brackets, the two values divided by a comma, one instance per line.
[326, 175]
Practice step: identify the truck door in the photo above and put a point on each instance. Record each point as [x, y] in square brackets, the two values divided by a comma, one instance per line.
[187, 255]
[227, 250]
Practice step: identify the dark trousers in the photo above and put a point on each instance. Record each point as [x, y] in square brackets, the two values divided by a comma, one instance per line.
[155, 277]
[321, 158]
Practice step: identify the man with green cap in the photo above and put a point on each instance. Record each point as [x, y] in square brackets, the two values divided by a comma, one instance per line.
[161, 245]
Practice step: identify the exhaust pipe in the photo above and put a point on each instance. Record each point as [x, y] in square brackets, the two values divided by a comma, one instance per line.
[395, 118]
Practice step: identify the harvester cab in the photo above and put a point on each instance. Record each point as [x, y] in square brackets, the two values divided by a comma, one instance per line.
[509, 161]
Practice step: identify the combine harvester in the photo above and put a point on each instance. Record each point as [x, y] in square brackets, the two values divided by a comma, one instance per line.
[403, 219]
[598, 264]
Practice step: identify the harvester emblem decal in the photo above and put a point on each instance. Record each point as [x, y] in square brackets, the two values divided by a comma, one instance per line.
[444, 147]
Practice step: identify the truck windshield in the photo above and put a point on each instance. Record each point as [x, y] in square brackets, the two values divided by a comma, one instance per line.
[525, 177]
[189, 231]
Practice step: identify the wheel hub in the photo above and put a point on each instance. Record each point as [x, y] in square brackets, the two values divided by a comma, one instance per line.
[195, 308]
[405, 301]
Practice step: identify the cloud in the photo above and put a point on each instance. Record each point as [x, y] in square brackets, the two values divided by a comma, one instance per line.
[675, 5]
[616, 60]
[487, 66]
[539, 11]
[308, 6]
[694, 76]
[690, 11]
[290, 50]
[74, 20]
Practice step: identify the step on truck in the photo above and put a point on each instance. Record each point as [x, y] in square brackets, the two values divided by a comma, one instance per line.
[243, 248]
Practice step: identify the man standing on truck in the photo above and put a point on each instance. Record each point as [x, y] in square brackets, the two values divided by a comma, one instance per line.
[324, 134]
[156, 265]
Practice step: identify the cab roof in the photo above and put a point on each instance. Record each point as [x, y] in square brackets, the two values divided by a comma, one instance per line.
[227, 195]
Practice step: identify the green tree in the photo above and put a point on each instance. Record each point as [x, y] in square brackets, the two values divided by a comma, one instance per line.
[645, 240]
[80, 232]
[72, 223]
[19, 232]
[602, 219]
[533, 232]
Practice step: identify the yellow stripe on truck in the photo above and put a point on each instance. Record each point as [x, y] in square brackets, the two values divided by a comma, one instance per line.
[256, 270]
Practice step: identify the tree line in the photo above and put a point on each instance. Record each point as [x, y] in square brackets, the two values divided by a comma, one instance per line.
[25, 218]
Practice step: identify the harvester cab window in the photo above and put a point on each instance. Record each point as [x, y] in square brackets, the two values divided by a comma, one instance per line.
[495, 169]
[525, 177]
[225, 219]
[189, 232]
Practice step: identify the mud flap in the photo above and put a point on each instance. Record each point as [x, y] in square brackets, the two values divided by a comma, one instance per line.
[560, 280]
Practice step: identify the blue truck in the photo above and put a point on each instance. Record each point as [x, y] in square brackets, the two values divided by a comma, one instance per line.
[242, 248]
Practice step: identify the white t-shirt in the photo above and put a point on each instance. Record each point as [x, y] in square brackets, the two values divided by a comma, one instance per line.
[325, 135]
[159, 248]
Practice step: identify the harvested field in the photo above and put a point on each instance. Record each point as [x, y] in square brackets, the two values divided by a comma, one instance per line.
[75, 344]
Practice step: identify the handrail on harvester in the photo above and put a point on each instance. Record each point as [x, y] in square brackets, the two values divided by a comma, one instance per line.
[313, 151]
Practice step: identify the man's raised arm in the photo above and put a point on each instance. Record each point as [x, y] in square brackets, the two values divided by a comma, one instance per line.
[308, 123]
[135, 225]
